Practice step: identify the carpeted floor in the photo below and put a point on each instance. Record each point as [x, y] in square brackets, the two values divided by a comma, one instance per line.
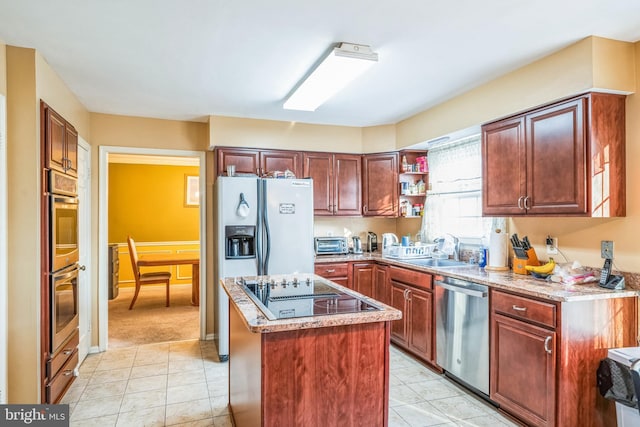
[150, 321]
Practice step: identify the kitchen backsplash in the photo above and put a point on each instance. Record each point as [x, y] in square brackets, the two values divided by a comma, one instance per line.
[348, 227]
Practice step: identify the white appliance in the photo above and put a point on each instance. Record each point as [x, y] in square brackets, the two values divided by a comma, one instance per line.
[626, 416]
[264, 226]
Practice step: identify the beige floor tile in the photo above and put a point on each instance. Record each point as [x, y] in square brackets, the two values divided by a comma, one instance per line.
[108, 365]
[119, 354]
[414, 373]
[97, 391]
[184, 412]
[150, 417]
[223, 421]
[183, 378]
[154, 382]
[395, 420]
[93, 408]
[150, 370]
[143, 400]
[219, 406]
[218, 388]
[185, 393]
[421, 414]
[75, 392]
[150, 358]
[105, 421]
[486, 421]
[209, 422]
[403, 395]
[183, 365]
[435, 389]
[101, 377]
[461, 407]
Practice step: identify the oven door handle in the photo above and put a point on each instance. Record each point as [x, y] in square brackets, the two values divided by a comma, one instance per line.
[462, 290]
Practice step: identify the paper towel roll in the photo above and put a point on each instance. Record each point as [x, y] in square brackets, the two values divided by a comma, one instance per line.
[498, 252]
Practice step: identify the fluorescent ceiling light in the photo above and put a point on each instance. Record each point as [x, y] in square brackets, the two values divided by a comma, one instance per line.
[341, 66]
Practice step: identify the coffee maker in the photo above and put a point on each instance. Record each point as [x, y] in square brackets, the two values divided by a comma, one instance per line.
[372, 241]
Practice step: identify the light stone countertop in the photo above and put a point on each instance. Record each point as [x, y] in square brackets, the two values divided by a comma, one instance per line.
[507, 280]
[257, 322]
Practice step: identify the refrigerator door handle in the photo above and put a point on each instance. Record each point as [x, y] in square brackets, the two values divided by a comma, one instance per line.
[267, 233]
[259, 241]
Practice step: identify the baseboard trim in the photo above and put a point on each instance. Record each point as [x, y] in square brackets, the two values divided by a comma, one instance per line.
[94, 349]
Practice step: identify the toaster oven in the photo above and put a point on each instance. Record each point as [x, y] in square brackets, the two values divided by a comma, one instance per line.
[330, 245]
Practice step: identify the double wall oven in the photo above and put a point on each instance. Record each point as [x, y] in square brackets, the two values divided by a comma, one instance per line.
[63, 229]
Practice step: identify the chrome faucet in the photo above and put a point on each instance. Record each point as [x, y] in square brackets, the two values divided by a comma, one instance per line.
[456, 247]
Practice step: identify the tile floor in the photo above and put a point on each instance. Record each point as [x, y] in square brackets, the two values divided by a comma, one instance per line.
[183, 384]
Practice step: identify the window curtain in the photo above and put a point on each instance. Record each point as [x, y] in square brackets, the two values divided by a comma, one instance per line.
[454, 201]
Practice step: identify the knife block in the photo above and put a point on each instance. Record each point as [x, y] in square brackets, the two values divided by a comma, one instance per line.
[519, 264]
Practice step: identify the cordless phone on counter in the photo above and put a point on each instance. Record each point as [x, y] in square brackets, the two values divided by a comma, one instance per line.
[608, 280]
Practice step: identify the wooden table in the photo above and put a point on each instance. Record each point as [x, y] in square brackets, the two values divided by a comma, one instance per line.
[155, 260]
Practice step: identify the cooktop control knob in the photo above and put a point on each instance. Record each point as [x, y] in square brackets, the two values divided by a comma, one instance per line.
[295, 282]
[308, 281]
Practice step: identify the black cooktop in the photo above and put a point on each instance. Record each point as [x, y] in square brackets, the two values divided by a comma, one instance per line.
[280, 298]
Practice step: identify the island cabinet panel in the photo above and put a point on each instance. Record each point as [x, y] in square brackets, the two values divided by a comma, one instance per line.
[582, 140]
[544, 356]
[344, 363]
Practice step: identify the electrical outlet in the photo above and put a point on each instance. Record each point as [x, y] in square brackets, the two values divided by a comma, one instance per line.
[552, 245]
[606, 249]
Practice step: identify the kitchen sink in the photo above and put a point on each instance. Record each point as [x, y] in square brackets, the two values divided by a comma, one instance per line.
[439, 263]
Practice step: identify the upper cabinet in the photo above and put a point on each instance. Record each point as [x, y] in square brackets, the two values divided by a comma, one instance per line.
[336, 183]
[380, 184]
[563, 159]
[61, 142]
[259, 162]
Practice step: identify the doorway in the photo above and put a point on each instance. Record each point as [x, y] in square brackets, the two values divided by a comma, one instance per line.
[104, 237]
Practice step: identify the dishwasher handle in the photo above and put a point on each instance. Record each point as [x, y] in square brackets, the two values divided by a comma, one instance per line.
[461, 289]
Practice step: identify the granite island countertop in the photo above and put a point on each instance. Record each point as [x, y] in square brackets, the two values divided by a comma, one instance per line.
[257, 322]
[505, 280]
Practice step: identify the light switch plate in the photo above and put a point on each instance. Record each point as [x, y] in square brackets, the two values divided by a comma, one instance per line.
[606, 249]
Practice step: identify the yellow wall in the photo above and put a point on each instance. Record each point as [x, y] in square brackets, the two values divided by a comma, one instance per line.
[572, 70]
[148, 203]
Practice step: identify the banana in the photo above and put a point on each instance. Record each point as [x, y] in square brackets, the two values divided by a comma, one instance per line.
[542, 269]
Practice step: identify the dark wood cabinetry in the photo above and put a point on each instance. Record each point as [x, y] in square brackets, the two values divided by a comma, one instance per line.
[338, 272]
[259, 162]
[364, 279]
[380, 184]
[411, 293]
[61, 148]
[382, 290]
[336, 183]
[563, 159]
[544, 356]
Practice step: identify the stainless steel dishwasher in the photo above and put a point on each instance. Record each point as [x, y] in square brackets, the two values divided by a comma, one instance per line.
[462, 331]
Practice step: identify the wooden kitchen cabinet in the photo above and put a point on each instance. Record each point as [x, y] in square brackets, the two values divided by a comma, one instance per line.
[380, 184]
[336, 183]
[523, 358]
[544, 356]
[259, 162]
[61, 142]
[566, 158]
[411, 293]
[363, 278]
[382, 291]
[339, 272]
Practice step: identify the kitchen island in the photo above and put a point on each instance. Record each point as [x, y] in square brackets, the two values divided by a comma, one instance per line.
[306, 351]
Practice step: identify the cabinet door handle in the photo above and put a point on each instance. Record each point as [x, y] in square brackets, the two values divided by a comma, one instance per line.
[364, 208]
[67, 352]
[520, 203]
[527, 205]
[330, 271]
[408, 294]
[70, 164]
[517, 308]
[68, 372]
[547, 341]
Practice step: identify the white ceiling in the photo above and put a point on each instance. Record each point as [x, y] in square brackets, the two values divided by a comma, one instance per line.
[188, 59]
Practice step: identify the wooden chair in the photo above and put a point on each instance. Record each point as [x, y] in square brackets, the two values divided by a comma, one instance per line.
[145, 278]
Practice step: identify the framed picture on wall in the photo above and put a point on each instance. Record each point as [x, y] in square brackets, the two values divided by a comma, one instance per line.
[191, 190]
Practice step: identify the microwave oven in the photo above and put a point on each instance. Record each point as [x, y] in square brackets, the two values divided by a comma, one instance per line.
[330, 245]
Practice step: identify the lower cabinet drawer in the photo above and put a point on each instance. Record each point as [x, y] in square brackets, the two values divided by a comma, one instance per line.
[60, 358]
[411, 277]
[524, 308]
[332, 270]
[57, 386]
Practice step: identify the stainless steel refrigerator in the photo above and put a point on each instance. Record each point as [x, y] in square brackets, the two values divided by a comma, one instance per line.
[263, 226]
